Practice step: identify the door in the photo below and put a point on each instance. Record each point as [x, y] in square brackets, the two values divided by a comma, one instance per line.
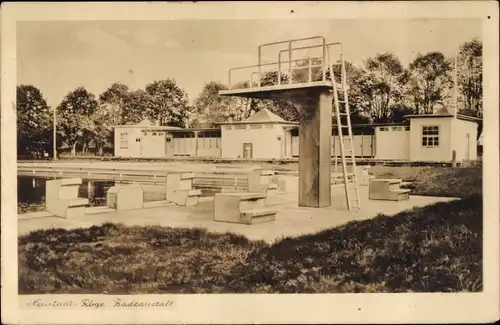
[282, 146]
[467, 146]
[169, 145]
[247, 150]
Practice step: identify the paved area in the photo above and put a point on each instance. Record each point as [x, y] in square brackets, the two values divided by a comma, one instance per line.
[291, 220]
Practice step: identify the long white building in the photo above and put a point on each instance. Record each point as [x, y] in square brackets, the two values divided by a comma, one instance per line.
[264, 135]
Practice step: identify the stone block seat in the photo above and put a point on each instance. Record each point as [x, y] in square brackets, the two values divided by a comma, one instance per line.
[338, 178]
[362, 173]
[366, 177]
[272, 189]
[286, 183]
[179, 189]
[387, 189]
[125, 197]
[267, 182]
[61, 198]
[246, 208]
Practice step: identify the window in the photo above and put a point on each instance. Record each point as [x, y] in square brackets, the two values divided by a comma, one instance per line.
[154, 133]
[160, 133]
[124, 140]
[384, 128]
[397, 128]
[407, 128]
[269, 126]
[256, 126]
[138, 140]
[278, 138]
[240, 127]
[227, 127]
[430, 136]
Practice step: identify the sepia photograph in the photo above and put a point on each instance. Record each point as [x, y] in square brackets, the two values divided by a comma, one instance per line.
[263, 156]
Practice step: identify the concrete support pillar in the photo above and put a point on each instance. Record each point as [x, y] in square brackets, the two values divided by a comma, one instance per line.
[314, 105]
[315, 134]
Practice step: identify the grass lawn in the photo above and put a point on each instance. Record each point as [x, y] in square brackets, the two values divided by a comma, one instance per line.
[429, 249]
[436, 181]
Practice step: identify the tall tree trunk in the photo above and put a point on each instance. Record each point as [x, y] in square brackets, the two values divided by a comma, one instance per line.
[73, 149]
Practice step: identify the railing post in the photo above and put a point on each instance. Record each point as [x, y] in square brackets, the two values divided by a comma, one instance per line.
[342, 66]
[324, 61]
[230, 86]
[260, 70]
[310, 71]
[279, 68]
[290, 62]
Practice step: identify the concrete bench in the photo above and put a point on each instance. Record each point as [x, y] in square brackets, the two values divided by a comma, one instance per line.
[125, 197]
[245, 208]
[387, 189]
[272, 189]
[61, 198]
[286, 183]
[179, 189]
[338, 178]
[365, 178]
[362, 173]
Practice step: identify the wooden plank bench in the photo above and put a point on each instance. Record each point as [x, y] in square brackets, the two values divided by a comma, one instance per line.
[387, 189]
[245, 208]
[221, 180]
[61, 198]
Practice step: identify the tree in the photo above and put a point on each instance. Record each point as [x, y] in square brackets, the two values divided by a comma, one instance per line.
[470, 78]
[101, 134]
[135, 107]
[398, 111]
[168, 104]
[282, 108]
[75, 118]
[114, 99]
[34, 120]
[380, 88]
[270, 78]
[240, 108]
[428, 79]
[358, 104]
[210, 106]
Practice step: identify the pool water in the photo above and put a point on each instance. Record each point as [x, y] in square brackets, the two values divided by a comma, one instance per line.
[31, 193]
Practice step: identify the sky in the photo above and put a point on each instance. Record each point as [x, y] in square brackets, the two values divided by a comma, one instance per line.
[58, 56]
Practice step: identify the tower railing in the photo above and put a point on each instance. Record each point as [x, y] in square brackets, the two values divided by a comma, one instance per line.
[309, 63]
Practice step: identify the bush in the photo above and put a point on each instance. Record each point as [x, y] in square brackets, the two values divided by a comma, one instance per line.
[436, 181]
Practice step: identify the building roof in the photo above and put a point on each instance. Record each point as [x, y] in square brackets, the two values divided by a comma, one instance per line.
[264, 116]
[146, 124]
[196, 130]
[372, 125]
[443, 112]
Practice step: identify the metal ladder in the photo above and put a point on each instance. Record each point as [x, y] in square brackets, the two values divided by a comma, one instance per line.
[350, 178]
